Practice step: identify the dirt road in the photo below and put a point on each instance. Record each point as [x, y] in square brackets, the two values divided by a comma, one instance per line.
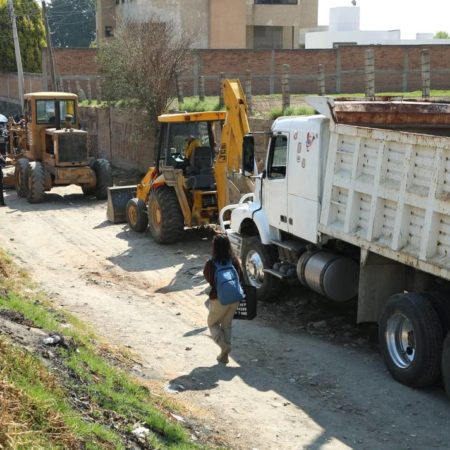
[312, 381]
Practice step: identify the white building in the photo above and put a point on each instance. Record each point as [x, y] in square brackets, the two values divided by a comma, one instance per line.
[345, 29]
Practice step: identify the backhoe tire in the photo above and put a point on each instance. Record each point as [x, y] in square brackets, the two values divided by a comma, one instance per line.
[20, 174]
[410, 337]
[137, 217]
[103, 172]
[255, 258]
[36, 182]
[165, 218]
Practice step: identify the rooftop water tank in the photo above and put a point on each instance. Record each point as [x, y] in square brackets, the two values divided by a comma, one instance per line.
[345, 18]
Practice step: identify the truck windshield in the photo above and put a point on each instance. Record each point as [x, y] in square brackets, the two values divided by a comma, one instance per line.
[45, 110]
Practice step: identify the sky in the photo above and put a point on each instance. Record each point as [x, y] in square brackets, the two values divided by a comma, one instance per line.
[410, 16]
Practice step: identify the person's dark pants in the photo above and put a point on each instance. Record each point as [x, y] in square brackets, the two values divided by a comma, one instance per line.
[2, 199]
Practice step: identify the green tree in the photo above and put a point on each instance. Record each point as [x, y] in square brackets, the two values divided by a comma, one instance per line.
[31, 33]
[141, 61]
[72, 22]
[441, 35]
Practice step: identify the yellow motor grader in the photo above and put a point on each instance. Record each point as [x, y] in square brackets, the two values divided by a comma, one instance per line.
[189, 188]
[49, 149]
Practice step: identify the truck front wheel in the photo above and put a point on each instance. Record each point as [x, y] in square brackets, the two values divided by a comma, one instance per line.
[255, 258]
[410, 338]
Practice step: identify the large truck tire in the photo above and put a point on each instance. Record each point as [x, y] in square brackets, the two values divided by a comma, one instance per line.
[20, 174]
[255, 258]
[441, 304]
[446, 364]
[165, 218]
[103, 172]
[137, 217]
[410, 338]
[36, 182]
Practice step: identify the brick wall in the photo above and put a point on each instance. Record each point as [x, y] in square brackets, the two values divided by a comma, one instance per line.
[397, 68]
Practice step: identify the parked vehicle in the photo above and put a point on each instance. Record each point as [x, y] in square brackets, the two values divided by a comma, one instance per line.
[50, 149]
[184, 190]
[356, 202]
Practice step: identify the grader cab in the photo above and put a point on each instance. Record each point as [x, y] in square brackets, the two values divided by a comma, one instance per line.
[50, 149]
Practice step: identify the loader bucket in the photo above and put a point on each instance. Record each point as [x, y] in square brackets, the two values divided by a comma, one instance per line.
[118, 197]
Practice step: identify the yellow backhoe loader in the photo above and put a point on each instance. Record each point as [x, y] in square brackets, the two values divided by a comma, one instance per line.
[196, 173]
[49, 149]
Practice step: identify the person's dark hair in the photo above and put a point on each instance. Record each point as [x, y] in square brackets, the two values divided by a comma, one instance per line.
[222, 250]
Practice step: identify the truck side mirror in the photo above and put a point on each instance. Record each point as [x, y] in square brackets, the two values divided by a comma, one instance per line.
[248, 155]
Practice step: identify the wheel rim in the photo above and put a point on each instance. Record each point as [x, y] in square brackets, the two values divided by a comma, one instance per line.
[132, 215]
[400, 340]
[156, 215]
[254, 267]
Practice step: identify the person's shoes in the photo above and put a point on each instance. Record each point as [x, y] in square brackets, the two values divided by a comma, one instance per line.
[223, 357]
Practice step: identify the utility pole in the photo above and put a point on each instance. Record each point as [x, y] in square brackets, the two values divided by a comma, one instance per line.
[51, 56]
[20, 79]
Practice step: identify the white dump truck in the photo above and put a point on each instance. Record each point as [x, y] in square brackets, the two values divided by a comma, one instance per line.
[355, 202]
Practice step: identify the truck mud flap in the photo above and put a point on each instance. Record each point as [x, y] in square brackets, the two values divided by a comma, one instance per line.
[118, 197]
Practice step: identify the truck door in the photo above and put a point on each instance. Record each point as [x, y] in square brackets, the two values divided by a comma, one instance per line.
[304, 175]
[275, 183]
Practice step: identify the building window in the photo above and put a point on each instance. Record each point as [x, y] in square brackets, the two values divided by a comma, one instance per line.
[267, 37]
[276, 2]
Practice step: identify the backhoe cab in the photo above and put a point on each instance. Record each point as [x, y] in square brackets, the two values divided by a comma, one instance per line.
[199, 169]
[50, 149]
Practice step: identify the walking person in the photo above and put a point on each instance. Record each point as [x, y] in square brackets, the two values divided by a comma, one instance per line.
[2, 164]
[223, 272]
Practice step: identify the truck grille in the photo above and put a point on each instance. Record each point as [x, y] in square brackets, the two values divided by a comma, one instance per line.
[72, 147]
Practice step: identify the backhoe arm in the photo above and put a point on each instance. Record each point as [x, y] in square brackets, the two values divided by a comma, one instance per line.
[229, 160]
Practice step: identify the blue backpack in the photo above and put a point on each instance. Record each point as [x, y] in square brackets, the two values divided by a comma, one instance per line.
[229, 289]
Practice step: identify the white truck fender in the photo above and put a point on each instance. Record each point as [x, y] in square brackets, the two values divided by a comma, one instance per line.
[251, 212]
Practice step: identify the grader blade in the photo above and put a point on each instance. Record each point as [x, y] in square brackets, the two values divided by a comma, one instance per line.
[118, 197]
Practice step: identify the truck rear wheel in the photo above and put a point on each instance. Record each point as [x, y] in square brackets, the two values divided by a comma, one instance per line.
[255, 258]
[36, 182]
[103, 173]
[165, 218]
[410, 338]
[20, 174]
[446, 364]
[137, 215]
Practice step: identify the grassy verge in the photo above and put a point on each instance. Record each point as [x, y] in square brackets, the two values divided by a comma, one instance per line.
[79, 399]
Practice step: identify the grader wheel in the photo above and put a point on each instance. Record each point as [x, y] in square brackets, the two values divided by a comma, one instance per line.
[36, 182]
[20, 174]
